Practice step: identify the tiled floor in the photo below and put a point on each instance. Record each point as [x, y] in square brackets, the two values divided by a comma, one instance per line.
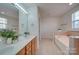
[47, 47]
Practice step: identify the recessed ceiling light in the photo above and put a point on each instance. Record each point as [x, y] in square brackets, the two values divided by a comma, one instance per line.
[21, 8]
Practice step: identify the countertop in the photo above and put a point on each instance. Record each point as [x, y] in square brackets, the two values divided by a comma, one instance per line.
[63, 39]
[74, 37]
[13, 49]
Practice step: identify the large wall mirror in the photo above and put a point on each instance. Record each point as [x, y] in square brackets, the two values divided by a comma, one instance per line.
[9, 17]
[13, 17]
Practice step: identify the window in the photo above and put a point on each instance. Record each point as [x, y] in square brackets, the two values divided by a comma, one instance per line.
[3, 23]
[75, 20]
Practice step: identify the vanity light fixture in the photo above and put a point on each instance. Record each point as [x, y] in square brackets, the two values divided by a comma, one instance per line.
[21, 8]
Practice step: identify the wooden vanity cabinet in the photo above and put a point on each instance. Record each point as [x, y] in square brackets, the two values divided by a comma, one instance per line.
[29, 49]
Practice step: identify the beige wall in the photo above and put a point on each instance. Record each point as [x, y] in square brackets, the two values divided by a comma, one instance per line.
[48, 26]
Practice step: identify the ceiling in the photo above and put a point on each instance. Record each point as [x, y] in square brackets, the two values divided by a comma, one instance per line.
[45, 9]
[54, 9]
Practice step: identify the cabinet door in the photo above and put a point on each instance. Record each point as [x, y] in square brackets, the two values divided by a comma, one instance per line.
[34, 46]
[28, 49]
[77, 46]
[22, 52]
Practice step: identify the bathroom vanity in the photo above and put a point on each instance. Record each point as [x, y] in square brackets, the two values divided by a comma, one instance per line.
[29, 48]
[24, 46]
[68, 42]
